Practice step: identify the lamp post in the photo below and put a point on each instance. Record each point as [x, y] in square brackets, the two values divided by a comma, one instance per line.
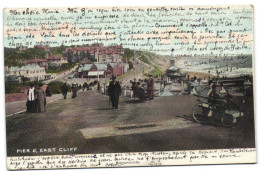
[97, 66]
[134, 73]
[134, 63]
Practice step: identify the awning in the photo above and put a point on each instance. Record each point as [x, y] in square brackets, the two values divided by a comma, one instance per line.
[95, 73]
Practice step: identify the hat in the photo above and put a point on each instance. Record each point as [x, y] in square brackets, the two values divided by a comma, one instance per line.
[150, 75]
[31, 84]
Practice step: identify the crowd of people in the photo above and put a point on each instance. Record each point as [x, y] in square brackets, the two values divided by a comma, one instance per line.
[36, 96]
[143, 89]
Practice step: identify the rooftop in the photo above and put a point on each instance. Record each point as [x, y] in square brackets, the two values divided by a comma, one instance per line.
[101, 67]
[26, 67]
[36, 60]
[113, 64]
[54, 57]
[85, 67]
[173, 68]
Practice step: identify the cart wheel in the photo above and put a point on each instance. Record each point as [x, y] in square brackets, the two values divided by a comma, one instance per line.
[200, 113]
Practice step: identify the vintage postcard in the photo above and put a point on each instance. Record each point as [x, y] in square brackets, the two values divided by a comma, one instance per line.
[129, 86]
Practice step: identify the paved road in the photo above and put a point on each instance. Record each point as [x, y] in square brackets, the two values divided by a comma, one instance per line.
[88, 124]
[62, 75]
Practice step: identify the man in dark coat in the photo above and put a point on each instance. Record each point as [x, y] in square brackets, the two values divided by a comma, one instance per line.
[133, 88]
[48, 91]
[64, 90]
[87, 85]
[150, 87]
[74, 89]
[114, 90]
[84, 86]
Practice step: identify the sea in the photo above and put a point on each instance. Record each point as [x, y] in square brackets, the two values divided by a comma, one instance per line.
[232, 66]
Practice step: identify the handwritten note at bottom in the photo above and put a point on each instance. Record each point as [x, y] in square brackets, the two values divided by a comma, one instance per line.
[221, 156]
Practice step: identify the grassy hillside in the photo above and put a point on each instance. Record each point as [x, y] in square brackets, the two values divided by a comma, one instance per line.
[159, 64]
[145, 63]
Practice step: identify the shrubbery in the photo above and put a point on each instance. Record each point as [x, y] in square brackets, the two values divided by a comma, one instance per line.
[11, 87]
[13, 57]
[130, 65]
[128, 53]
[55, 87]
[14, 87]
[156, 72]
[144, 59]
[62, 68]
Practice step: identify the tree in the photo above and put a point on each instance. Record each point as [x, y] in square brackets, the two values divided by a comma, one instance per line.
[91, 58]
[130, 65]
[70, 57]
[128, 53]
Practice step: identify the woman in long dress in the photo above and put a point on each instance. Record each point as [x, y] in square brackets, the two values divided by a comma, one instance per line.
[41, 99]
[31, 99]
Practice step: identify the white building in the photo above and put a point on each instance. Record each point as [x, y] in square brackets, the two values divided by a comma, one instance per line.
[33, 72]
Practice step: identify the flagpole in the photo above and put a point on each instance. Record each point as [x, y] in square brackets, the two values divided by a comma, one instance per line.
[98, 66]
